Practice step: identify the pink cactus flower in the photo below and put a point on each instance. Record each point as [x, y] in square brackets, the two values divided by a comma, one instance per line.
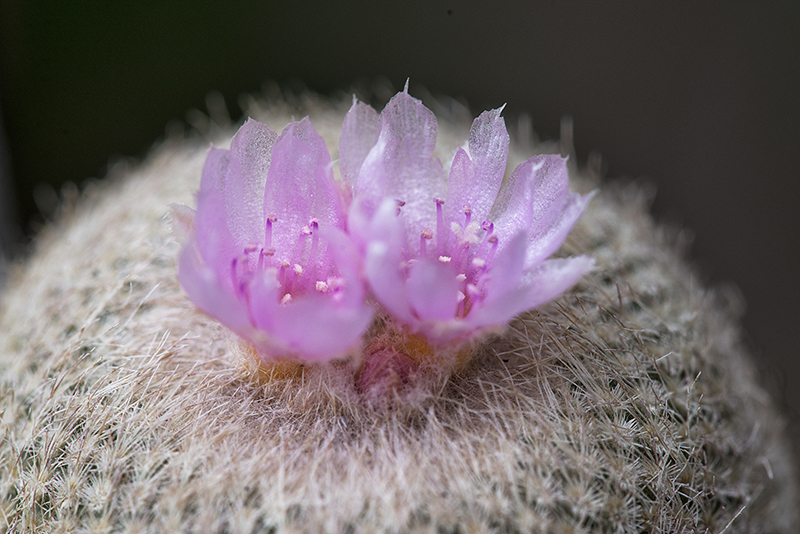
[268, 256]
[297, 264]
[451, 257]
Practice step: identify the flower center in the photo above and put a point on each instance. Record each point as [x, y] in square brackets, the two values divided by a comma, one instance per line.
[467, 247]
[292, 278]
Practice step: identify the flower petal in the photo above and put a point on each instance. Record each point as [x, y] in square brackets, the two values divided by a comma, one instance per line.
[203, 287]
[251, 147]
[537, 199]
[553, 277]
[345, 257]
[401, 166]
[541, 285]
[319, 328]
[359, 135]
[545, 239]
[382, 263]
[293, 191]
[505, 292]
[215, 243]
[263, 299]
[512, 211]
[554, 209]
[475, 181]
[432, 290]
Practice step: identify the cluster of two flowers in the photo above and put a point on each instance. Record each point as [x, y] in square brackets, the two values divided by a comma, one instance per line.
[298, 263]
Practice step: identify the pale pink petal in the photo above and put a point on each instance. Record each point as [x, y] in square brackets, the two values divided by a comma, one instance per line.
[251, 147]
[203, 287]
[369, 190]
[553, 277]
[539, 286]
[432, 290]
[263, 300]
[536, 199]
[383, 263]
[346, 257]
[512, 211]
[551, 223]
[401, 165]
[291, 194]
[215, 168]
[476, 181]
[504, 294]
[313, 326]
[216, 245]
[544, 240]
[508, 265]
[318, 328]
[550, 187]
[359, 135]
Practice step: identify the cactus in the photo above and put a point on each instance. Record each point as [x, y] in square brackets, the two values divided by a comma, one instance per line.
[627, 405]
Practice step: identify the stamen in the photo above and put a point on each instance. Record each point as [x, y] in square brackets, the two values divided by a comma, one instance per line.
[335, 283]
[251, 247]
[235, 277]
[424, 237]
[478, 263]
[400, 204]
[282, 275]
[298, 269]
[439, 225]
[461, 277]
[492, 241]
[312, 255]
[461, 255]
[445, 259]
[468, 215]
[322, 287]
[268, 233]
[286, 298]
[489, 239]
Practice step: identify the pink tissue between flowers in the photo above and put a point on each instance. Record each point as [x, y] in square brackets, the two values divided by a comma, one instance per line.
[287, 261]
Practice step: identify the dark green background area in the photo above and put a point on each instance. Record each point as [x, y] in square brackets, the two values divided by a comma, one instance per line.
[699, 96]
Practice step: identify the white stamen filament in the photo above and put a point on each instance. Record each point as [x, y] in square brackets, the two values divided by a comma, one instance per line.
[268, 232]
[423, 239]
[439, 225]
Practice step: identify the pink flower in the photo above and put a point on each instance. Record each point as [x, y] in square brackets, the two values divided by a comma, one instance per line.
[453, 256]
[268, 256]
[296, 264]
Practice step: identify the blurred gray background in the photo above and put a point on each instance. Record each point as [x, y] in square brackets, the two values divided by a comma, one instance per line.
[700, 97]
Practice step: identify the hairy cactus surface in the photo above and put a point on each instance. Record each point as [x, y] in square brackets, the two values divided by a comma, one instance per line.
[626, 405]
